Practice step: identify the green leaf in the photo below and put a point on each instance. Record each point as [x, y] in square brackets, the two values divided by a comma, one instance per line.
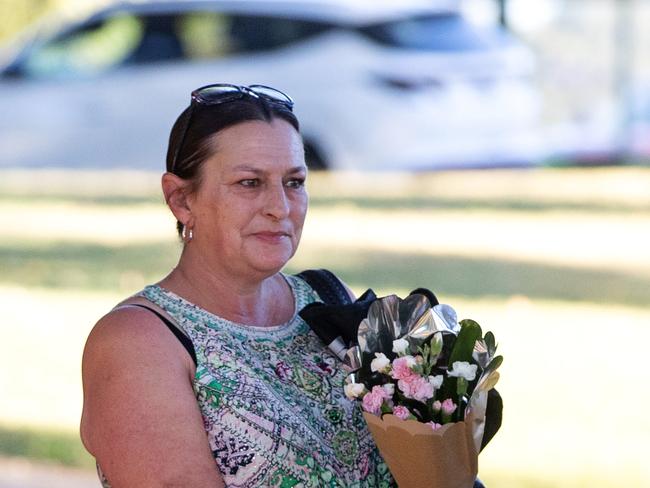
[436, 344]
[495, 363]
[469, 333]
[424, 352]
[490, 342]
[462, 349]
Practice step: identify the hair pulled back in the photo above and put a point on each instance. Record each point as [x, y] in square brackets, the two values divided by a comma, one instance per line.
[201, 123]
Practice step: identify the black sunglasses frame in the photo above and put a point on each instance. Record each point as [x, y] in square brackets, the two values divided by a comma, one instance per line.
[206, 96]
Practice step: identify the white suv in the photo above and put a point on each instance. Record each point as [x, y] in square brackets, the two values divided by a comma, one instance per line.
[380, 84]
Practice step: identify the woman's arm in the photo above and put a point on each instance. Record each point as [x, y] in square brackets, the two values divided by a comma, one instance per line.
[140, 418]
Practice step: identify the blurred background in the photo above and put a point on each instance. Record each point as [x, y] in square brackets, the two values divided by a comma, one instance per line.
[495, 151]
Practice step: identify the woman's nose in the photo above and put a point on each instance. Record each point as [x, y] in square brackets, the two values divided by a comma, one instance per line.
[277, 203]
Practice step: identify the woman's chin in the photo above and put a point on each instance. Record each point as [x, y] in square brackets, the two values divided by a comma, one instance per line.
[271, 264]
[271, 256]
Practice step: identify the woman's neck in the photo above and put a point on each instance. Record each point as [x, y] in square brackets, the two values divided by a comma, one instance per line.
[245, 299]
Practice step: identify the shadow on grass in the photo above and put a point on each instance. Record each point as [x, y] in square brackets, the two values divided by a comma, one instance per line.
[371, 203]
[461, 276]
[131, 267]
[510, 205]
[37, 444]
[87, 266]
[105, 200]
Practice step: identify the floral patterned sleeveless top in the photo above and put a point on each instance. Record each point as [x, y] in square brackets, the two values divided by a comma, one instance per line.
[272, 401]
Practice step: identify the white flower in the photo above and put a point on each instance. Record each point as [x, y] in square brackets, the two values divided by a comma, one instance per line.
[462, 369]
[436, 381]
[354, 390]
[389, 388]
[400, 346]
[380, 363]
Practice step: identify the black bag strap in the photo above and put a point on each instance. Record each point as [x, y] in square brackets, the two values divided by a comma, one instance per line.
[180, 335]
[329, 288]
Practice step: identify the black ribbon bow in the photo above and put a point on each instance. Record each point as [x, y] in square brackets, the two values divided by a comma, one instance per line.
[337, 325]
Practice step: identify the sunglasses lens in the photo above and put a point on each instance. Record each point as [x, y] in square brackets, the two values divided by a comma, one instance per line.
[272, 95]
[217, 94]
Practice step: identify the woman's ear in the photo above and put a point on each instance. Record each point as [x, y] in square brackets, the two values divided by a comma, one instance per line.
[177, 195]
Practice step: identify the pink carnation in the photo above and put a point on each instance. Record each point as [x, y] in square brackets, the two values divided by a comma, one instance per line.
[402, 367]
[416, 387]
[448, 406]
[373, 399]
[434, 426]
[401, 412]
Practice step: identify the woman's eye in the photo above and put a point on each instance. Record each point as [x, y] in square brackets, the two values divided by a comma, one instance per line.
[252, 182]
[296, 183]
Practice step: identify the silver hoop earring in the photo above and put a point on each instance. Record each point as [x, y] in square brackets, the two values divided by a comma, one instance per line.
[187, 234]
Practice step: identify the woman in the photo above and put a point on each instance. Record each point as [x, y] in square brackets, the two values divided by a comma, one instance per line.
[248, 396]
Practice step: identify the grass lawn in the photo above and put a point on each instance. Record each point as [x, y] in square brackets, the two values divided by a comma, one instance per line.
[555, 262]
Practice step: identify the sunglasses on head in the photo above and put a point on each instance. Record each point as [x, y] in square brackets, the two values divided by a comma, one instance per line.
[219, 93]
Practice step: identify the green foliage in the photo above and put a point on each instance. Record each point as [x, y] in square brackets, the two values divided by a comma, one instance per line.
[60, 447]
[470, 332]
[495, 363]
[462, 350]
[490, 342]
[86, 266]
[429, 353]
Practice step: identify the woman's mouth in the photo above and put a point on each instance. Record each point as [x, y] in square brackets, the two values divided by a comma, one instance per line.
[271, 237]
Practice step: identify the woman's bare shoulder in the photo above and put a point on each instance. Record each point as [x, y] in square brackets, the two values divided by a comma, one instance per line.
[137, 385]
[127, 323]
[132, 338]
[134, 317]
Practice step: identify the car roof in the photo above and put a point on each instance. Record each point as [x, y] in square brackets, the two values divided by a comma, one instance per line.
[341, 12]
[353, 12]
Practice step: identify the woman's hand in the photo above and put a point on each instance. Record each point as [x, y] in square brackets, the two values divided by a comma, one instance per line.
[141, 419]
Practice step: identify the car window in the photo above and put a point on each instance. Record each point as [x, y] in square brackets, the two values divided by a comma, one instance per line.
[257, 33]
[209, 35]
[89, 49]
[439, 32]
[130, 39]
[206, 35]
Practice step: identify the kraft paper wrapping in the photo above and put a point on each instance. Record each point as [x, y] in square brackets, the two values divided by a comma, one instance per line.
[419, 457]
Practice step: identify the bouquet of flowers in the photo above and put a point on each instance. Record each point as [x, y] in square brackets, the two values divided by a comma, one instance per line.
[423, 380]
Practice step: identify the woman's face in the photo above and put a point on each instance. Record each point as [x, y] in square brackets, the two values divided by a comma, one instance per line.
[251, 203]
